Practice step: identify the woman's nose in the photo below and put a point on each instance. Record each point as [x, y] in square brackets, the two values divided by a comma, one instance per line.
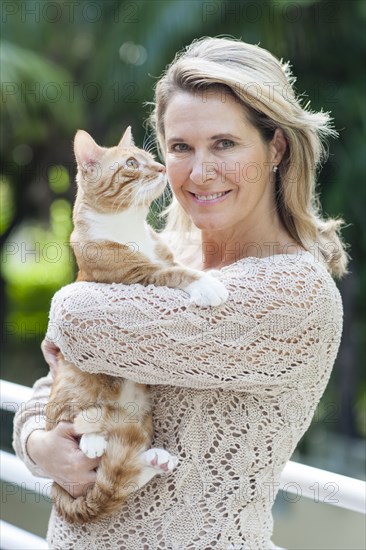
[203, 170]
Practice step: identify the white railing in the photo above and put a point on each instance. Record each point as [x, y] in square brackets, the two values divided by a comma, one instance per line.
[296, 479]
[13, 538]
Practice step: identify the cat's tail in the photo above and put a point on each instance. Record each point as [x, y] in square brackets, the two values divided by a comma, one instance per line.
[123, 470]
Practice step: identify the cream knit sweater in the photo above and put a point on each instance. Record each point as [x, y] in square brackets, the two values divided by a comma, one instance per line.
[233, 390]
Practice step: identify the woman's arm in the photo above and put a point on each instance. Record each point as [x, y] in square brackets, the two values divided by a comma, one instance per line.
[281, 315]
[30, 418]
[53, 454]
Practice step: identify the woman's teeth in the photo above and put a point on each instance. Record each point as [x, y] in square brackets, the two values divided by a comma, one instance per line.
[210, 197]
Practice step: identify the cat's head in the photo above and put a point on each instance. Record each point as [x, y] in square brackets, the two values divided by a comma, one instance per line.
[115, 178]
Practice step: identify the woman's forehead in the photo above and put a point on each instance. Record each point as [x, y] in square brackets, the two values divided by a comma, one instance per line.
[202, 98]
[193, 112]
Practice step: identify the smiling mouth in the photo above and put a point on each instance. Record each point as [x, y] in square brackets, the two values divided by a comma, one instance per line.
[210, 197]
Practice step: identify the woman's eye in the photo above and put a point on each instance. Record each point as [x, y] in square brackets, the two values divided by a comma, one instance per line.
[132, 163]
[226, 144]
[180, 147]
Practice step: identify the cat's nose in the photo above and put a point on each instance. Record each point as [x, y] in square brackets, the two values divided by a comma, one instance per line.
[160, 167]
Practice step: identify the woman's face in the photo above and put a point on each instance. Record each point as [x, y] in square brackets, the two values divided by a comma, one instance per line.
[218, 166]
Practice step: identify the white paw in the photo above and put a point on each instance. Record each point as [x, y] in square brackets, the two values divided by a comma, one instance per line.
[93, 445]
[160, 460]
[207, 291]
[214, 272]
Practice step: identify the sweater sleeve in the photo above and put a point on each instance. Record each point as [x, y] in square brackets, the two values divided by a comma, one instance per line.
[30, 417]
[282, 323]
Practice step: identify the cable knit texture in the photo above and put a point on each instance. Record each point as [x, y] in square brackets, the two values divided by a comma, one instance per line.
[233, 390]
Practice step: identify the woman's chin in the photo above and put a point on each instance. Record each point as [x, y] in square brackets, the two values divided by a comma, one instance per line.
[208, 224]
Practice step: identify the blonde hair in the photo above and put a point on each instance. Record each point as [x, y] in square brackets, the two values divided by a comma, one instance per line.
[264, 87]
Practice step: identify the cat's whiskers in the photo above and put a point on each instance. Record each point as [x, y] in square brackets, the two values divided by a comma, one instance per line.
[129, 197]
[149, 188]
[126, 196]
[148, 142]
[147, 147]
[123, 198]
[150, 149]
[160, 202]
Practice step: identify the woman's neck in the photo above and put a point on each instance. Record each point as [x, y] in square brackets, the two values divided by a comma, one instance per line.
[217, 252]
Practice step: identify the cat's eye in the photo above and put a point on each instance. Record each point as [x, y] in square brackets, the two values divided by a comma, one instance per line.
[131, 163]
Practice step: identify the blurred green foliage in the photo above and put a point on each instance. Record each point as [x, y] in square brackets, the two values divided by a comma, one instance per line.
[93, 65]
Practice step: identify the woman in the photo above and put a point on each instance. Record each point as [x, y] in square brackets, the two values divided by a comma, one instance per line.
[233, 388]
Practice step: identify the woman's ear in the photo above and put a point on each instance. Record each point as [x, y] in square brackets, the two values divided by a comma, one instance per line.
[278, 146]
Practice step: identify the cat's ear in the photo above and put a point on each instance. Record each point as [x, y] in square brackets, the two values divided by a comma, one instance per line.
[87, 151]
[127, 139]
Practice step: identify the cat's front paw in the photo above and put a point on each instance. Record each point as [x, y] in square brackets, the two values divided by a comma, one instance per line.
[93, 445]
[214, 272]
[207, 291]
[160, 460]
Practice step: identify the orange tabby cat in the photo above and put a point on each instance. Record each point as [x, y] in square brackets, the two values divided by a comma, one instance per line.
[115, 189]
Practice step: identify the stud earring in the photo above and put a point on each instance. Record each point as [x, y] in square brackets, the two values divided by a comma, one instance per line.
[274, 169]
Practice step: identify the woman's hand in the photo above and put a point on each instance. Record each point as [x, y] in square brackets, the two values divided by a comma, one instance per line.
[50, 352]
[58, 454]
